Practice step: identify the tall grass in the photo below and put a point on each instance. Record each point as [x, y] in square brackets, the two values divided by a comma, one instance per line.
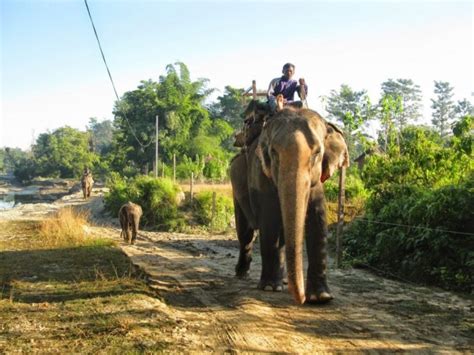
[67, 227]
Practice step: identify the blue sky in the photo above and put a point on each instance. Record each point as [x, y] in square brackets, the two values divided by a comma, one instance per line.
[52, 73]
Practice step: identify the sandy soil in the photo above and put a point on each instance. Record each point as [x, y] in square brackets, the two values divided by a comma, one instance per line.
[194, 275]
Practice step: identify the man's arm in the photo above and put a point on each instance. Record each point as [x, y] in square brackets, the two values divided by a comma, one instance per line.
[302, 89]
[271, 88]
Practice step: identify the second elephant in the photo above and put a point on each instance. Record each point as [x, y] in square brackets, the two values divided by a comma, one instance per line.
[278, 189]
[129, 216]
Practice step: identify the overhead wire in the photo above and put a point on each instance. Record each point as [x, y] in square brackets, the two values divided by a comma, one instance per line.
[112, 80]
[409, 226]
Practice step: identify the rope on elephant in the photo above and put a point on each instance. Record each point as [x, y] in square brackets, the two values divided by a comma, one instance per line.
[409, 226]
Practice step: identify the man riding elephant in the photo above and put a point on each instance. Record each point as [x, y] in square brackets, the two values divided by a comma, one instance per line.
[280, 93]
[87, 182]
[286, 87]
[277, 187]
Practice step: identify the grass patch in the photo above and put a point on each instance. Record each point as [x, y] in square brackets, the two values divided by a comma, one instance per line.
[76, 294]
[66, 227]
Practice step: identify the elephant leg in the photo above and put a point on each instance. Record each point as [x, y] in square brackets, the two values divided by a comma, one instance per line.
[272, 247]
[246, 236]
[129, 229]
[317, 290]
[135, 229]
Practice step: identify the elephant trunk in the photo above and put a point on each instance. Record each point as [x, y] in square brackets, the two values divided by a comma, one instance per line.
[293, 193]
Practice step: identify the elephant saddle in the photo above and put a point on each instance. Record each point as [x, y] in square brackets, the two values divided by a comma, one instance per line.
[254, 119]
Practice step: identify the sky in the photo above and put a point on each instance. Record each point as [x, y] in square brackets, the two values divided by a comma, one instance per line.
[52, 73]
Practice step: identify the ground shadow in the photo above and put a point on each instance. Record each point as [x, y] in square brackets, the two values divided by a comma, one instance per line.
[58, 275]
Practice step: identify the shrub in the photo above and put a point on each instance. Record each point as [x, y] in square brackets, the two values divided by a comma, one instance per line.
[224, 211]
[157, 197]
[354, 187]
[428, 252]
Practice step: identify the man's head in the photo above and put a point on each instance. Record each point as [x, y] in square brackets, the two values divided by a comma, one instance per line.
[288, 70]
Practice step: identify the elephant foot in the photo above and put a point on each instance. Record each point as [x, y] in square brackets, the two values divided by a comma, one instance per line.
[319, 293]
[319, 298]
[270, 286]
[243, 266]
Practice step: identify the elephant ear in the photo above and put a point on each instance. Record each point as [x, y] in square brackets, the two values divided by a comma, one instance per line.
[336, 154]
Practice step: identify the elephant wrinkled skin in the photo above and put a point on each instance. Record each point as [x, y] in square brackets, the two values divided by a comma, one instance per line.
[278, 189]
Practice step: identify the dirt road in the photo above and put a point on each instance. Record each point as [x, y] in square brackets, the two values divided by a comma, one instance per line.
[194, 276]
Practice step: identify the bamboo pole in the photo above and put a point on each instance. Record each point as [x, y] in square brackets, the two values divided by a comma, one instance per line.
[191, 188]
[340, 216]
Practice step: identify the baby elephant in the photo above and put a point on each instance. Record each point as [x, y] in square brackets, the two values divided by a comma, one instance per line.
[129, 216]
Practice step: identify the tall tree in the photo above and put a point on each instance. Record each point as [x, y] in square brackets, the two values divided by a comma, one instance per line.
[179, 103]
[230, 106]
[443, 107]
[410, 96]
[389, 108]
[63, 153]
[351, 108]
[464, 108]
[101, 134]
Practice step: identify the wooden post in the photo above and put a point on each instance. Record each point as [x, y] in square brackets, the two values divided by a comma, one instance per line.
[303, 93]
[213, 214]
[254, 89]
[340, 216]
[191, 192]
[156, 147]
[174, 168]
[163, 170]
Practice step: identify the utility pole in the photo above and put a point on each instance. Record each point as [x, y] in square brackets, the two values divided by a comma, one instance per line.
[156, 148]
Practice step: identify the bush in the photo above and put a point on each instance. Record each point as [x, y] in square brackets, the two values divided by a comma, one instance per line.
[157, 197]
[224, 212]
[428, 252]
[354, 187]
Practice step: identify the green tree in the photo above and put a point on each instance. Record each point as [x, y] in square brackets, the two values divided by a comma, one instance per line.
[352, 109]
[464, 108]
[230, 106]
[443, 107]
[389, 108]
[10, 158]
[410, 97]
[63, 153]
[101, 134]
[185, 125]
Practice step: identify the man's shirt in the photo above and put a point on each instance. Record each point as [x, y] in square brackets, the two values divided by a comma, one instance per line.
[285, 87]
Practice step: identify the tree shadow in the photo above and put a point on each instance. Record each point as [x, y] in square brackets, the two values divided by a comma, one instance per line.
[64, 274]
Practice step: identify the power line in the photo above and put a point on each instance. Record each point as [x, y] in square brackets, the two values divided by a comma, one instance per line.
[419, 227]
[112, 80]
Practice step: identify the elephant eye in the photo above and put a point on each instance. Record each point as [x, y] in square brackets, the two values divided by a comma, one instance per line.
[314, 156]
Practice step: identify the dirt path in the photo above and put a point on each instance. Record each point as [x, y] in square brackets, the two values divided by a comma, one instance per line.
[194, 274]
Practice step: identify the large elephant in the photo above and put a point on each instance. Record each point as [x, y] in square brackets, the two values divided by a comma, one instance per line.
[277, 186]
